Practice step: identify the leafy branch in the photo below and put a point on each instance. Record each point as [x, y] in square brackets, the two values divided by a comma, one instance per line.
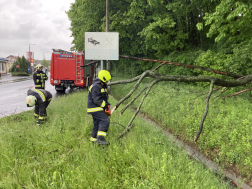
[158, 77]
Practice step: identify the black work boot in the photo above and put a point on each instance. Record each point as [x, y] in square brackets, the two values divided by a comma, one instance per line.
[93, 140]
[101, 140]
[40, 121]
[45, 115]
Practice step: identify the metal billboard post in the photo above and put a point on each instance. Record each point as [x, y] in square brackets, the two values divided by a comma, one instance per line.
[101, 64]
[107, 30]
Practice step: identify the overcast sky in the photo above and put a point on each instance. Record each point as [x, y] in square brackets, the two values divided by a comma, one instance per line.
[40, 22]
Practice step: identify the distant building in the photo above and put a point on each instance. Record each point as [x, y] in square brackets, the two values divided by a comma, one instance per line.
[11, 59]
[3, 62]
[36, 62]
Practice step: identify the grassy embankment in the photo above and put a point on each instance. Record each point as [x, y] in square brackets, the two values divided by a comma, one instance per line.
[226, 137]
[59, 154]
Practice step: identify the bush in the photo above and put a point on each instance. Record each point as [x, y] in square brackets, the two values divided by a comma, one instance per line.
[19, 74]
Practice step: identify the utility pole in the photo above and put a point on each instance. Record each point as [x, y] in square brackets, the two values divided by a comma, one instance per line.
[107, 28]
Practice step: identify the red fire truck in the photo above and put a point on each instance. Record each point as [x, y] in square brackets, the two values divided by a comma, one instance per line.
[69, 69]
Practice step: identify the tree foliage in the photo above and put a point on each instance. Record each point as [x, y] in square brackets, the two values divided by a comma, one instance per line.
[23, 64]
[231, 19]
[209, 33]
[45, 63]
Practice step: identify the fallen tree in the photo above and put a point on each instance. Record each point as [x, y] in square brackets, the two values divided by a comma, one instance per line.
[214, 81]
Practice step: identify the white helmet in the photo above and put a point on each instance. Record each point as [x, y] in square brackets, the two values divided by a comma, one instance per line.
[31, 100]
[39, 65]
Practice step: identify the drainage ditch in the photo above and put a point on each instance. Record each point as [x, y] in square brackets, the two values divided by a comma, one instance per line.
[234, 181]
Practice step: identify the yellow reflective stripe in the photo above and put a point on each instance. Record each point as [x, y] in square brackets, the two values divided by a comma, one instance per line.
[36, 114]
[103, 104]
[103, 90]
[37, 85]
[41, 117]
[38, 74]
[37, 80]
[94, 109]
[93, 139]
[90, 88]
[101, 133]
[49, 99]
[40, 94]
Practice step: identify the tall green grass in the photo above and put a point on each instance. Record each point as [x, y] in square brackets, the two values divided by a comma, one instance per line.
[58, 154]
[226, 137]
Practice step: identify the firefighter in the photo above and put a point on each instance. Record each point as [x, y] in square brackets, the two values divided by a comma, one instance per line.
[97, 105]
[39, 77]
[41, 99]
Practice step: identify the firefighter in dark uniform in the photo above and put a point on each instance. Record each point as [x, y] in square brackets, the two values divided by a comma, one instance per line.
[39, 77]
[97, 105]
[41, 99]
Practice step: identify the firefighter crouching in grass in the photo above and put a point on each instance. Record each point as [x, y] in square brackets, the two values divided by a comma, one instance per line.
[41, 99]
[97, 105]
[39, 77]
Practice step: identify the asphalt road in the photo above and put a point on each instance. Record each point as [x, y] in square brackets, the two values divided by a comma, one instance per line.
[13, 92]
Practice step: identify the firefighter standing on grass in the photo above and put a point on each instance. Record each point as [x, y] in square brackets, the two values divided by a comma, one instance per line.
[39, 77]
[97, 105]
[41, 99]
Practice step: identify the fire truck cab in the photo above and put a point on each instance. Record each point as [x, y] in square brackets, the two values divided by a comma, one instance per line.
[68, 70]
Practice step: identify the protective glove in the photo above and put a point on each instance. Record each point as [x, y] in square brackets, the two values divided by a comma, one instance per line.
[106, 106]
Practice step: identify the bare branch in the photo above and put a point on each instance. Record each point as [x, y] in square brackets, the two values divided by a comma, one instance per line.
[138, 109]
[184, 65]
[159, 66]
[219, 82]
[124, 81]
[237, 93]
[222, 91]
[90, 63]
[158, 77]
[206, 110]
[226, 88]
[146, 73]
[142, 90]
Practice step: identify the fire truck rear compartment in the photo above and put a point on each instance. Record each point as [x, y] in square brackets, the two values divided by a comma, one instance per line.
[66, 70]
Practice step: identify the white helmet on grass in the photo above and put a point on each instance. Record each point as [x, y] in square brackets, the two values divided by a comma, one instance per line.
[31, 100]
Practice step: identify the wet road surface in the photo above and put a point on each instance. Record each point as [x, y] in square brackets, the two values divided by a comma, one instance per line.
[13, 92]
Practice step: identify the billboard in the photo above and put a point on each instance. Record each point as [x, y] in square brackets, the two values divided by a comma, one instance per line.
[30, 57]
[101, 45]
